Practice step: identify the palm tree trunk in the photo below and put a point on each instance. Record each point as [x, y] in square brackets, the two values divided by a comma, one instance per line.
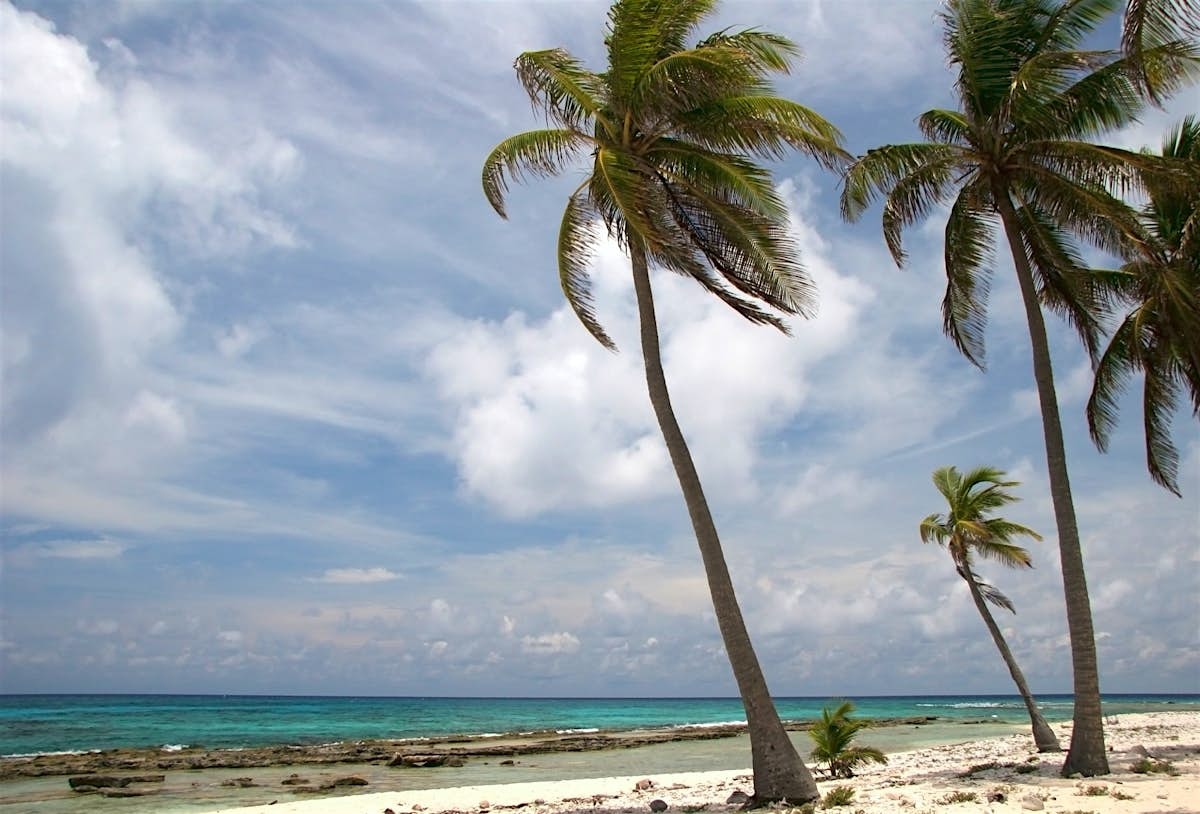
[1043, 735]
[779, 773]
[1086, 755]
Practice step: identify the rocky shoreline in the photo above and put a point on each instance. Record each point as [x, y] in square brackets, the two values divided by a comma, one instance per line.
[422, 753]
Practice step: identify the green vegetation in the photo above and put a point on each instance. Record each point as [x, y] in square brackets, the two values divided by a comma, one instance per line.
[838, 796]
[668, 131]
[1151, 766]
[1017, 153]
[833, 736]
[958, 797]
[966, 530]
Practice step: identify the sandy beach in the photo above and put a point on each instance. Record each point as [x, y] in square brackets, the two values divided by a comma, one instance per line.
[995, 775]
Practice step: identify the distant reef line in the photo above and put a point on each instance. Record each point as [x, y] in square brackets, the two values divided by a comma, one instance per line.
[408, 752]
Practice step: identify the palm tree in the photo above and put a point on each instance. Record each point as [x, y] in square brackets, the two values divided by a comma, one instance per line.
[1016, 153]
[1150, 24]
[966, 530]
[669, 128]
[1161, 335]
[833, 738]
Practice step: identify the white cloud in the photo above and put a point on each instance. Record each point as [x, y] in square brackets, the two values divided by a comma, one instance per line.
[356, 576]
[79, 549]
[549, 644]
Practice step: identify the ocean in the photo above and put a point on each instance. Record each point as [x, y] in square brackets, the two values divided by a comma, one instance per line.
[39, 724]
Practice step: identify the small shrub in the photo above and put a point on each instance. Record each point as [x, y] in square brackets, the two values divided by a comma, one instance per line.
[1094, 791]
[958, 797]
[1117, 794]
[838, 796]
[1149, 766]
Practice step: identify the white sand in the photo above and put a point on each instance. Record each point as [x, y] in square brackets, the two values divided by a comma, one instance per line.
[916, 782]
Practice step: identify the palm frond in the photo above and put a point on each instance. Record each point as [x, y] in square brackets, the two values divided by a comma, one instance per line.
[1159, 396]
[562, 88]
[945, 126]
[1112, 374]
[968, 261]
[539, 153]
[576, 244]
[1149, 24]
[1065, 285]
[880, 170]
[765, 126]
[992, 594]
[641, 32]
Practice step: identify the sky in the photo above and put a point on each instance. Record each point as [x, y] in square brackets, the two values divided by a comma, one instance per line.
[288, 409]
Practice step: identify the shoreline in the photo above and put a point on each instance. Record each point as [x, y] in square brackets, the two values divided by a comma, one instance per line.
[994, 774]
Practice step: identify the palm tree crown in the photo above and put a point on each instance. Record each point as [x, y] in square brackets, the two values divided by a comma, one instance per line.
[668, 128]
[967, 529]
[1160, 336]
[1029, 100]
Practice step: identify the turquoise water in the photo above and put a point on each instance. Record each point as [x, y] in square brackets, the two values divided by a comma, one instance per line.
[34, 724]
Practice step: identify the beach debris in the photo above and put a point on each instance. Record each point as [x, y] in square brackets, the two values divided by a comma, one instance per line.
[1031, 802]
[738, 798]
[643, 784]
[658, 806]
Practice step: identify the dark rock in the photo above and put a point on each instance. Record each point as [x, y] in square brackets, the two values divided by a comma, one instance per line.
[106, 792]
[658, 806]
[996, 797]
[294, 780]
[738, 798]
[508, 762]
[240, 782]
[352, 780]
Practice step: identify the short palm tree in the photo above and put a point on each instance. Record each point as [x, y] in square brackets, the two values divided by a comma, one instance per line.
[1016, 154]
[668, 129]
[1160, 337]
[833, 738]
[965, 531]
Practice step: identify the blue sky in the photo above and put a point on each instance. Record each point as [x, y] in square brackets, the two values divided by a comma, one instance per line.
[288, 409]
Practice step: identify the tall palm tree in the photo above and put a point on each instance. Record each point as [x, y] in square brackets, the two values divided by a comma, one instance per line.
[669, 128]
[1016, 153]
[1150, 24]
[1161, 334]
[966, 530]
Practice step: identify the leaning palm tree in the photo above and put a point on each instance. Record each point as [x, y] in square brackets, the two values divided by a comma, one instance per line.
[1017, 153]
[1150, 24]
[668, 129]
[965, 531]
[1160, 336]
